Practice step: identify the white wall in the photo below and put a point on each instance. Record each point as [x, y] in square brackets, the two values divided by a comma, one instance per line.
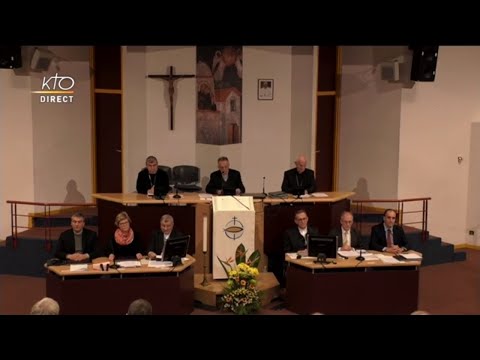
[134, 119]
[435, 130]
[301, 126]
[44, 145]
[473, 205]
[62, 132]
[369, 125]
[16, 146]
[406, 140]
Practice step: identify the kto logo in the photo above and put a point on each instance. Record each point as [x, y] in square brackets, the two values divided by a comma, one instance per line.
[57, 89]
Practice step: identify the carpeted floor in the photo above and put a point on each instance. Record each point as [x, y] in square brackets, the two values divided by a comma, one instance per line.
[452, 288]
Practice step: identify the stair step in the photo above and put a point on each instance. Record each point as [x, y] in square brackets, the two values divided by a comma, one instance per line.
[460, 256]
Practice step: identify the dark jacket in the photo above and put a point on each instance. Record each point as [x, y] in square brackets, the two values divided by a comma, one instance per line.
[293, 241]
[125, 251]
[292, 181]
[233, 182]
[156, 244]
[378, 238]
[90, 244]
[355, 238]
[160, 180]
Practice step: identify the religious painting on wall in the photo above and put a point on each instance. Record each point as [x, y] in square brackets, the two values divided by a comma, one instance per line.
[219, 95]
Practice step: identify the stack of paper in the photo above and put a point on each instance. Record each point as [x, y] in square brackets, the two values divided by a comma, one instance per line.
[78, 267]
[159, 264]
[319, 194]
[129, 263]
[205, 196]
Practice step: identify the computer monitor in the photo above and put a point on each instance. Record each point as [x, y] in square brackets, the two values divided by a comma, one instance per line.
[322, 245]
[175, 247]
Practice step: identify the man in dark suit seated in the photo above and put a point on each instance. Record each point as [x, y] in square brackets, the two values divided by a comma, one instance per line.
[299, 180]
[152, 180]
[225, 181]
[167, 231]
[78, 244]
[348, 237]
[295, 238]
[387, 236]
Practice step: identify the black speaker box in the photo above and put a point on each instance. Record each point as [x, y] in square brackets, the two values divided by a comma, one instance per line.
[424, 63]
[10, 57]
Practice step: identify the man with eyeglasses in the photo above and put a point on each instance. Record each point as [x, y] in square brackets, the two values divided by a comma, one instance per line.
[295, 238]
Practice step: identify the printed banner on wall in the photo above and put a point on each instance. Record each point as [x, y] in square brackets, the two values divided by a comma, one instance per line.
[219, 95]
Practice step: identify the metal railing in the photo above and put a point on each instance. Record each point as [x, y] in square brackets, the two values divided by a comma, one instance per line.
[410, 212]
[47, 214]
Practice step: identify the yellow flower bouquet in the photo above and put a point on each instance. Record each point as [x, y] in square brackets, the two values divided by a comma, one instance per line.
[241, 295]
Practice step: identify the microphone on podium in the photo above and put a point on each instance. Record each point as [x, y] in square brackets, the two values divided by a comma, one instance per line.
[263, 187]
[176, 196]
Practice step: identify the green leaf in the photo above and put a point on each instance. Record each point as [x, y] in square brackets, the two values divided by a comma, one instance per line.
[254, 259]
[223, 266]
[240, 254]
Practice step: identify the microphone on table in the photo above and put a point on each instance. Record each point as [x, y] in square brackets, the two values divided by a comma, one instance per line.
[114, 266]
[176, 196]
[264, 193]
[360, 257]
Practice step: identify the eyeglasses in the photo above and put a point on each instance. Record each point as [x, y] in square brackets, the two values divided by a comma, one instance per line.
[123, 223]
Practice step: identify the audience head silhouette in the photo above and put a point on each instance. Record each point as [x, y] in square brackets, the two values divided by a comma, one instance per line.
[420, 312]
[140, 307]
[45, 306]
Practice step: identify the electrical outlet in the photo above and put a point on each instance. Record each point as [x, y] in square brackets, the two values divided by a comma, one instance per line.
[471, 232]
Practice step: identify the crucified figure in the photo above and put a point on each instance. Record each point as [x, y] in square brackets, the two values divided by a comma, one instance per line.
[171, 90]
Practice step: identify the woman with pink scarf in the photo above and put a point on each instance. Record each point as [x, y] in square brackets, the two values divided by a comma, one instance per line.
[125, 242]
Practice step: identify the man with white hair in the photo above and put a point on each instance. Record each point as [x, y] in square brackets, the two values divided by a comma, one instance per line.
[299, 180]
[45, 306]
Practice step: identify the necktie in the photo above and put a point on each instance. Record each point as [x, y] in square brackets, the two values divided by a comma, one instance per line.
[345, 238]
[389, 238]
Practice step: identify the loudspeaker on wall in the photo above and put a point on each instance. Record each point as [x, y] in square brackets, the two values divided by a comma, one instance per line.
[10, 57]
[41, 60]
[424, 63]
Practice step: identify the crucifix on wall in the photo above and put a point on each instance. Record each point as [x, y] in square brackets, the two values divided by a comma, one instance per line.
[171, 78]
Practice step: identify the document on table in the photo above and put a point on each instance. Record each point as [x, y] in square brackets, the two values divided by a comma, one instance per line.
[388, 259]
[319, 195]
[78, 267]
[159, 264]
[129, 263]
[412, 256]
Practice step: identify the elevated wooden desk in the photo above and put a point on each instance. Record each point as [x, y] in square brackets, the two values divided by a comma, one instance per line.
[352, 287]
[145, 212]
[93, 292]
[323, 212]
[187, 211]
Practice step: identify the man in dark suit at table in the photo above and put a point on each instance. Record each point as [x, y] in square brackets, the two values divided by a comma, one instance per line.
[387, 236]
[167, 231]
[299, 180]
[295, 238]
[152, 180]
[78, 243]
[347, 236]
[225, 181]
